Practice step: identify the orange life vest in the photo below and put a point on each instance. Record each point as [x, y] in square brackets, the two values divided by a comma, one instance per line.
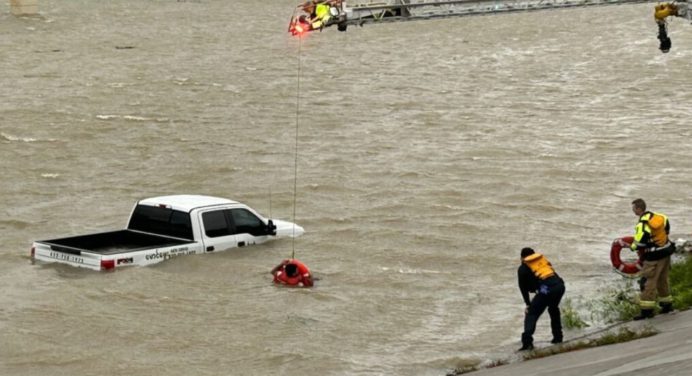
[657, 225]
[539, 265]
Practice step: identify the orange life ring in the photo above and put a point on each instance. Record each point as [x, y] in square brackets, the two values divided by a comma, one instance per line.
[628, 268]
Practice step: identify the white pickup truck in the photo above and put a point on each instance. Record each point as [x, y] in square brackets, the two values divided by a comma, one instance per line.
[164, 227]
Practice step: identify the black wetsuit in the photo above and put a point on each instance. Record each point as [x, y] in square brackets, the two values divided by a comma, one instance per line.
[549, 292]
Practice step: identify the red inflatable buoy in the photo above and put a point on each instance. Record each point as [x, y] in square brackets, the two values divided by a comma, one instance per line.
[629, 268]
[292, 272]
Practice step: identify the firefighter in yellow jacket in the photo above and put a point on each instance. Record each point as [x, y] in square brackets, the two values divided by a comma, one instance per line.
[319, 11]
[652, 243]
[537, 275]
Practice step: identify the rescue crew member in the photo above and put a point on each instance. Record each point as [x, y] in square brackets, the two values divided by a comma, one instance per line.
[652, 243]
[292, 272]
[319, 11]
[537, 275]
[661, 11]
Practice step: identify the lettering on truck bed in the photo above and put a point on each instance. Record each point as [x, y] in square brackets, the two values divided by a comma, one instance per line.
[167, 255]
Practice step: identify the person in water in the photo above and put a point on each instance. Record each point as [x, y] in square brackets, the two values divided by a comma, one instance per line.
[537, 275]
[292, 272]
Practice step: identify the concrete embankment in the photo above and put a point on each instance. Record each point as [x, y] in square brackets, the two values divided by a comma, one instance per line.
[669, 352]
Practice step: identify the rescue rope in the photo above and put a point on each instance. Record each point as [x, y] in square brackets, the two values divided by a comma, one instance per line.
[295, 161]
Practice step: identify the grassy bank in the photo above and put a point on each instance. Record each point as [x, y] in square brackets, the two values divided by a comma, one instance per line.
[620, 303]
[681, 283]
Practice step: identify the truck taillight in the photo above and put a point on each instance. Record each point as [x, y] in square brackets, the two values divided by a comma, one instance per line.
[107, 264]
[33, 252]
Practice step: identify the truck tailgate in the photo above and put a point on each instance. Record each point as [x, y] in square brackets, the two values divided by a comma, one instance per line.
[99, 260]
[106, 250]
[66, 255]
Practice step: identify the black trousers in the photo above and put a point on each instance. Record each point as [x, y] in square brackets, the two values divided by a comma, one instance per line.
[546, 297]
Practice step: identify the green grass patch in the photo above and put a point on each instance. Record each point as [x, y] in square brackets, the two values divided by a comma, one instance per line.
[570, 316]
[681, 283]
[617, 304]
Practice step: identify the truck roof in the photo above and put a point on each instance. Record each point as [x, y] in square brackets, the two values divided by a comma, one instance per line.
[186, 202]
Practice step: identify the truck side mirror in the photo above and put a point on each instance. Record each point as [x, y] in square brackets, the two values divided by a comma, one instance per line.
[271, 228]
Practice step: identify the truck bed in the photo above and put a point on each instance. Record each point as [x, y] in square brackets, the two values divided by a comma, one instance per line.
[112, 242]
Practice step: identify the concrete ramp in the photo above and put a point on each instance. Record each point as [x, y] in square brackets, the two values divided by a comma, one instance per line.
[667, 353]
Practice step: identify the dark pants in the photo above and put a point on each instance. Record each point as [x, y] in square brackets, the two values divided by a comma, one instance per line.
[546, 297]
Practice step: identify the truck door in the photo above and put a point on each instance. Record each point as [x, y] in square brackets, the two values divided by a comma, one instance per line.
[217, 233]
[247, 227]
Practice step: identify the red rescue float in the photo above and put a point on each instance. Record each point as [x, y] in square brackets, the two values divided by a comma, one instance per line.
[629, 269]
[292, 272]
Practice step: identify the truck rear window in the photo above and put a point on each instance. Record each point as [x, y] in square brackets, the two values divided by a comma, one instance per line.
[161, 221]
